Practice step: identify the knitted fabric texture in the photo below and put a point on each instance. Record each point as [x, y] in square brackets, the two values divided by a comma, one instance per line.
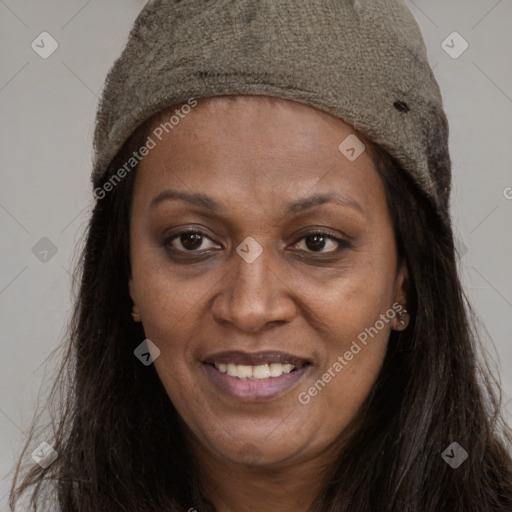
[363, 61]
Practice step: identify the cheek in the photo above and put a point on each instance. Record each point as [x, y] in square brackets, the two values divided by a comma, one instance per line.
[352, 312]
[168, 300]
[342, 385]
[355, 346]
[351, 298]
[169, 313]
[168, 306]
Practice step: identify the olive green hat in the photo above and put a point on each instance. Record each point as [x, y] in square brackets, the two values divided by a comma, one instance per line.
[363, 61]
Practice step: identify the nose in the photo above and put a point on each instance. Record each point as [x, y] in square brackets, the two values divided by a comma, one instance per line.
[254, 294]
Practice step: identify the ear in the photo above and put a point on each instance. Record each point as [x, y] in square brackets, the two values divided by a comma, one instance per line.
[135, 309]
[401, 319]
[131, 289]
[402, 285]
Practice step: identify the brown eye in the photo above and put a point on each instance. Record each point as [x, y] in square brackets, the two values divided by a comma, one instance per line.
[189, 241]
[318, 241]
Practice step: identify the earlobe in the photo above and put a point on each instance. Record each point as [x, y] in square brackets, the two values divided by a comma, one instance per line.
[135, 314]
[401, 320]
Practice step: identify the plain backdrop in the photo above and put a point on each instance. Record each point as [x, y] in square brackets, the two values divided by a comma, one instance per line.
[47, 117]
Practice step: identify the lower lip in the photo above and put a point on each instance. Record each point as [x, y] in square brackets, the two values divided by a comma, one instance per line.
[254, 390]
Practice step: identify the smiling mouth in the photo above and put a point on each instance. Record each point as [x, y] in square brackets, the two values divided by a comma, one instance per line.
[259, 372]
[256, 366]
[255, 377]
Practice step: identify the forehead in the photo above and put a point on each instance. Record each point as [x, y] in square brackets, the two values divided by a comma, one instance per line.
[260, 148]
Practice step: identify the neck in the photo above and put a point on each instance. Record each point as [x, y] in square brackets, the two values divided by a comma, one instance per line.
[234, 487]
[251, 490]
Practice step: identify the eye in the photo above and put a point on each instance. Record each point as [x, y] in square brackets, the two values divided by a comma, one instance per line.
[315, 242]
[318, 241]
[190, 241]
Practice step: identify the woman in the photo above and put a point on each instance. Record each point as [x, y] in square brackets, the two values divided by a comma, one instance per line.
[270, 315]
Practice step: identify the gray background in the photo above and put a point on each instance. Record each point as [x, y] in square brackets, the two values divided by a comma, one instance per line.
[48, 107]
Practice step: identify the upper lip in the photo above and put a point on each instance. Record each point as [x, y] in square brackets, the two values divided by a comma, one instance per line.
[254, 359]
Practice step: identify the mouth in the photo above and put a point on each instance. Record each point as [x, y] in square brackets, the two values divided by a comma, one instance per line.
[255, 377]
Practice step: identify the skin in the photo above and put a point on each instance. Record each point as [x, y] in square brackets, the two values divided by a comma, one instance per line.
[253, 155]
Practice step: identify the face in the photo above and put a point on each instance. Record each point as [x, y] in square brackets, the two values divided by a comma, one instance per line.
[264, 268]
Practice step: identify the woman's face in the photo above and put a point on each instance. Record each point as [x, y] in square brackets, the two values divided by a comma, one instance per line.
[273, 315]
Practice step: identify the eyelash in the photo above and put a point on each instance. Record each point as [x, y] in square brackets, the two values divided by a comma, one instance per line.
[341, 243]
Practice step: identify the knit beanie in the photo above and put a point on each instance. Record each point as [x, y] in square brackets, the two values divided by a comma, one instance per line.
[363, 61]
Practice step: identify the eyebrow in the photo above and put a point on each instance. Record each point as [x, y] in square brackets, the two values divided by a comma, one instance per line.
[208, 203]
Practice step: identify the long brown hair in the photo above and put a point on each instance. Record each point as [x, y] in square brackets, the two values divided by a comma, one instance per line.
[119, 438]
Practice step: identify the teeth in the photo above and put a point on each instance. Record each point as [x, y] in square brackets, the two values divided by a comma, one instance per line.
[260, 372]
[244, 372]
[232, 370]
[276, 370]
